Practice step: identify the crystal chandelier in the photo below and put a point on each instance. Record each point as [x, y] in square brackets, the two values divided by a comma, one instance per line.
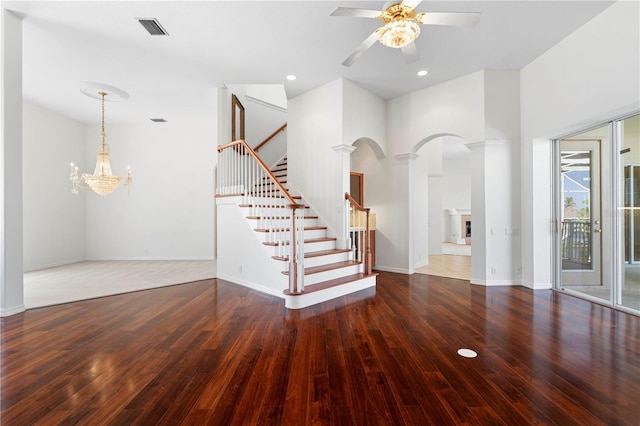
[402, 25]
[398, 33]
[102, 181]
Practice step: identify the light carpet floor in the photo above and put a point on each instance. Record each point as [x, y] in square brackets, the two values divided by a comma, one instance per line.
[449, 266]
[454, 262]
[91, 279]
[456, 249]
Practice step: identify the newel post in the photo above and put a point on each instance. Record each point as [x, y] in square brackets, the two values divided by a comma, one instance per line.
[367, 257]
[295, 286]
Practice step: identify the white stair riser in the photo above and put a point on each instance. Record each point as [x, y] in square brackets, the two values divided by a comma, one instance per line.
[309, 299]
[261, 211]
[308, 248]
[319, 277]
[310, 262]
[276, 200]
[320, 246]
[275, 236]
[279, 223]
[324, 260]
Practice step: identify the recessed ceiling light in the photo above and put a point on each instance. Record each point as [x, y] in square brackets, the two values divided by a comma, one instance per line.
[422, 73]
[291, 77]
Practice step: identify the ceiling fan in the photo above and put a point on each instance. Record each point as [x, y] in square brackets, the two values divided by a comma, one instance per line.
[401, 26]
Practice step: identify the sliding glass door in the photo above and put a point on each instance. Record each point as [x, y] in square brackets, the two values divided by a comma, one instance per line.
[627, 293]
[580, 219]
[597, 206]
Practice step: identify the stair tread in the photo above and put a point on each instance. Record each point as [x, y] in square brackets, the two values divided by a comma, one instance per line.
[295, 197]
[315, 254]
[279, 217]
[309, 241]
[306, 228]
[270, 183]
[284, 207]
[330, 283]
[327, 267]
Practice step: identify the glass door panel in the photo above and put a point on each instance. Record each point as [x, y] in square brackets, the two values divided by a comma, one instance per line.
[581, 227]
[628, 293]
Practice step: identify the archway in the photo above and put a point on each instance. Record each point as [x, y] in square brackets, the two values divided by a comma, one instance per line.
[441, 179]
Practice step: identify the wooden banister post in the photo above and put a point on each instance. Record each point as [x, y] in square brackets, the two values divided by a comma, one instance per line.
[367, 257]
[295, 287]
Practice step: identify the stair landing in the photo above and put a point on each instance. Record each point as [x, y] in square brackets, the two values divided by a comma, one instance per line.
[328, 290]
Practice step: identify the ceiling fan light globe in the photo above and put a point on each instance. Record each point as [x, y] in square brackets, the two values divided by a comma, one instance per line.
[399, 33]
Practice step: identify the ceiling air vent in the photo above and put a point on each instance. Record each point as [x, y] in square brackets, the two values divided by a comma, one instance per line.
[158, 120]
[153, 26]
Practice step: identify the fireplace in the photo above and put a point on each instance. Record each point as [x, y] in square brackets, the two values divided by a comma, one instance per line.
[465, 225]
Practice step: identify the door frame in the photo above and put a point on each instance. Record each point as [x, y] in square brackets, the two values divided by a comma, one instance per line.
[608, 217]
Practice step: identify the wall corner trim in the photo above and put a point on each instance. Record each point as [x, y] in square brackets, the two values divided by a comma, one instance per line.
[13, 310]
[406, 157]
[484, 144]
[343, 149]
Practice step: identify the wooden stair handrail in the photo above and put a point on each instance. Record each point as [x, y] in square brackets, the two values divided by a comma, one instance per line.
[368, 254]
[251, 152]
[273, 135]
[355, 203]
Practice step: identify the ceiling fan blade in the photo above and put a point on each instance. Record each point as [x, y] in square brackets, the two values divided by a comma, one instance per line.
[358, 51]
[412, 3]
[355, 13]
[410, 53]
[449, 18]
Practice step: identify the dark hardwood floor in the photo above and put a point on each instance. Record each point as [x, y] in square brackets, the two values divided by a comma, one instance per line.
[211, 352]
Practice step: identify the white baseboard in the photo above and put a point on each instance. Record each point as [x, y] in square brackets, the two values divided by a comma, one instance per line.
[7, 312]
[164, 259]
[421, 264]
[392, 269]
[51, 265]
[494, 283]
[538, 286]
[253, 286]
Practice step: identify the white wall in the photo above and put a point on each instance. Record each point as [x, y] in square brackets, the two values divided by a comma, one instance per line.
[264, 112]
[53, 218]
[457, 184]
[452, 108]
[495, 211]
[314, 168]
[455, 193]
[364, 116]
[336, 114]
[436, 228]
[589, 77]
[169, 213]
[242, 258]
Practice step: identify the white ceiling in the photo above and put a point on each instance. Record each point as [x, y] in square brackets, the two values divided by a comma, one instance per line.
[213, 43]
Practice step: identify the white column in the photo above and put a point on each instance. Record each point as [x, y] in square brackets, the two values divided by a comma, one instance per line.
[11, 275]
[404, 174]
[344, 160]
[493, 234]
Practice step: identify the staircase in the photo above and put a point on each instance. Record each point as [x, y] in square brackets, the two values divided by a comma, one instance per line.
[329, 272]
[269, 240]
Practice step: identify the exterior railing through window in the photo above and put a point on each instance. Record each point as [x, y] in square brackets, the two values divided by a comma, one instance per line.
[576, 240]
